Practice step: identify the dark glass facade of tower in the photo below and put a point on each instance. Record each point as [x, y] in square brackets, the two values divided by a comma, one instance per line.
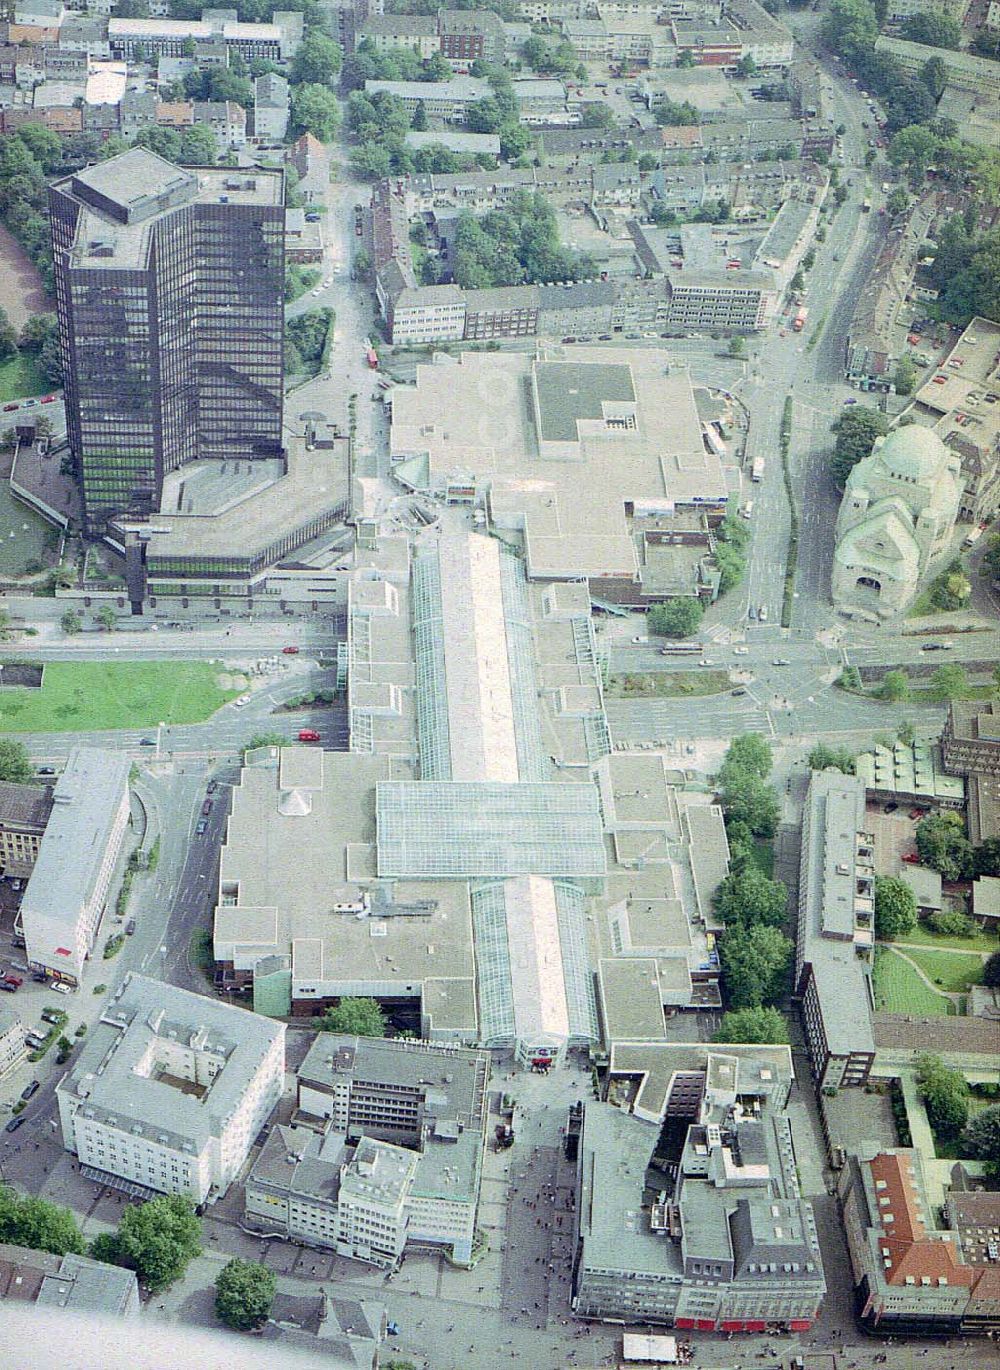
[170, 297]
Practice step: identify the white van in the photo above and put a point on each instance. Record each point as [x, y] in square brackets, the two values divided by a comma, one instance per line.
[747, 509]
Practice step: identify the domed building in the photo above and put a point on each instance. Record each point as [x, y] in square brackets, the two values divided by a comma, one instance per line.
[897, 515]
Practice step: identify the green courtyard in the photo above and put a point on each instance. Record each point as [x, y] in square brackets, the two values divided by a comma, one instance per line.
[86, 695]
[24, 535]
[951, 971]
[21, 378]
[899, 989]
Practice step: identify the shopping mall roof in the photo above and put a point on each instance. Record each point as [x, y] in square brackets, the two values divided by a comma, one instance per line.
[433, 829]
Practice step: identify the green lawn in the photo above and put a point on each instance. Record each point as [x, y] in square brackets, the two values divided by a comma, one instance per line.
[899, 989]
[79, 696]
[979, 941]
[24, 535]
[762, 855]
[953, 971]
[21, 379]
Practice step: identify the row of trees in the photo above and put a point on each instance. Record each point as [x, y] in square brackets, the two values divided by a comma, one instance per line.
[755, 953]
[946, 1097]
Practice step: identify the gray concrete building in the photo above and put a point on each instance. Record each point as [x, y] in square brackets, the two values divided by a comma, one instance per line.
[836, 931]
[728, 1244]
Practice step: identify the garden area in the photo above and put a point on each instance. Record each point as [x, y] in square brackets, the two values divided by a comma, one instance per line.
[21, 377]
[85, 695]
[898, 987]
[953, 971]
[29, 542]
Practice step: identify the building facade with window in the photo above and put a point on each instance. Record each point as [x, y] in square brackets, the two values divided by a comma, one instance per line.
[169, 1091]
[170, 299]
[24, 812]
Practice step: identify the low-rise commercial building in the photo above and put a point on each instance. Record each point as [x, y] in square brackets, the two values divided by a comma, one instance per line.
[67, 893]
[729, 1244]
[388, 1150]
[277, 41]
[24, 812]
[447, 100]
[911, 1277]
[169, 1091]
[76, 1283]
[836, 931]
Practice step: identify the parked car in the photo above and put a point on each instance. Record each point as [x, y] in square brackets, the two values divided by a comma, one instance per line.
[46, 770]
[15, 1123]
[16, 980]
[201, 828]
[7, 987]
[911, 857]
[919, 813]
[308, 735]
[130, 927]
[60, 988]
[213, 785]
[51, 1015]
[206, 807]
[40, 978]
[891, 808]
[147, 742]
[736, 693]
[290, 651]
[29, 1091]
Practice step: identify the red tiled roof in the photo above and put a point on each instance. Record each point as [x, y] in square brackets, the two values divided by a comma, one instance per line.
[911, 1252]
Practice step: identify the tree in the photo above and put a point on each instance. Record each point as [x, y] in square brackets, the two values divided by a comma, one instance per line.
[244, 1292]
[981, 1139]
[895, 907]
[419, 122]
[850, 26]
[934, 75]
[749, 897]
[895, 687]
[675, 617]
[943, 845]
[905, 377]
[157, 1239]
[748, 752]
[317, 61]
[15, 764]
[71, 622]
[823, 756]
[36, 332]
[986, 858]
[315, 110]
[952, 588]
[945, 1095]
[746, 66]
[765, 1025]
[914, 148]
[362, 263]
[107, 617]
[750, 801]
[933, 28]
[856, 430]
[38, 1224]
[357, 1017]
[263, 740]
[991, 970]
[754, 963]
[950, 682]
[738, 346]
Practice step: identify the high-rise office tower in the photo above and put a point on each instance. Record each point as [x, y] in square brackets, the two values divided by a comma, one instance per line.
[170, 296]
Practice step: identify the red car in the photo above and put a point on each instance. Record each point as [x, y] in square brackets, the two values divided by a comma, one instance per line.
[290, 651]
[918, 813]
[14, 980]
[49, 399]
[308, 735]
[9, 407]
[911, 858]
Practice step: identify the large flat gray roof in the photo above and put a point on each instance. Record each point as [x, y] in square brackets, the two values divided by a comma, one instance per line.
[570, 391]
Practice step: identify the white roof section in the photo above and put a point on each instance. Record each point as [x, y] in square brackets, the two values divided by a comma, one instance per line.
[477, 677]
[86, 808]
[540, 1011]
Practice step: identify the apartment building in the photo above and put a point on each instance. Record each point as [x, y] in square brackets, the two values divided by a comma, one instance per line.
[462, 37]
[836, 932]
[67, 893]
[965, 71]
[277, 41]
[24, 812]
[170, 298]
[970, 742]
[270, 108]
[13, 1043]
[169, 1091]
[85, 1287]
[729, 1245]
[446, 100]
